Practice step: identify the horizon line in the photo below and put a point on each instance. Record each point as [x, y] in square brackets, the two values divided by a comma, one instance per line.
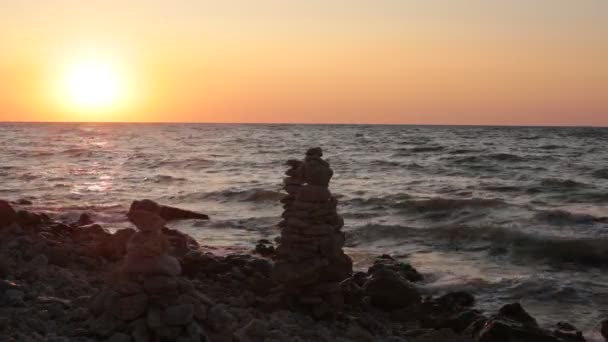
[300, 123]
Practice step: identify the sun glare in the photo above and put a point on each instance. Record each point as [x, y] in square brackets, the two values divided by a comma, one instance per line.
[92, 85]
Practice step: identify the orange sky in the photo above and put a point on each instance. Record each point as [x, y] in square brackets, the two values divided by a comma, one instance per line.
[514, 62]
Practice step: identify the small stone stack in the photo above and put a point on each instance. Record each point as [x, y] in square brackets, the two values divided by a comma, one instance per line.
[310, 261]
[146, 300]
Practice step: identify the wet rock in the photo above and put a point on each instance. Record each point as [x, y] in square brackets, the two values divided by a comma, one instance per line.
[389, 290]
[7, 214]
[166, 212]
[513, 323]
[386, 262]
[84, 219]
[264, 248]
[516, 312]
[459, 299]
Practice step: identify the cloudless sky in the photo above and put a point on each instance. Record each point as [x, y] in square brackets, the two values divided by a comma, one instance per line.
[541, 62]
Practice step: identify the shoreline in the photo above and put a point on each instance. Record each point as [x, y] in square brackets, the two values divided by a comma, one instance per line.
[51, 271]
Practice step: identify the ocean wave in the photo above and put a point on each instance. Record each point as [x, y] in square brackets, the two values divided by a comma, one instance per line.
[559, 184]
[505, 157]
[450, 204]
[566, 217]
[165, 179]
[421, 149]
[601, 173]
[496, 240]
[253, 195]
[188, 163]
[551, 147]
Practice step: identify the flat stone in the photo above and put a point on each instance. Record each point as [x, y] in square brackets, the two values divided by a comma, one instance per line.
[148, 244]
[130, 307]
[178, 314]
[160, 284]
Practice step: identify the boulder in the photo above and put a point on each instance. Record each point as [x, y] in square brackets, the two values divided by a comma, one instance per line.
[181, 314]
[389, 290]
[386, 262]
[7, 214]
[513, 323]
[166, 212]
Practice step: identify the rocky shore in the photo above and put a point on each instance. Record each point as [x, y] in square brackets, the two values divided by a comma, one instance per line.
[77, 281]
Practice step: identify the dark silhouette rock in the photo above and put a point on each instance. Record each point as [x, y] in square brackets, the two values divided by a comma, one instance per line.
[84, 220]
[310, 262]
[513, 323]
[7, 214]
[386, 262]
[604, 329]
[166, 212]
[388, 290]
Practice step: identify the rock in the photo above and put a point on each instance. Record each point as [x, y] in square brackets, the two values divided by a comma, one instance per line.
[154, 318]
[459, 299]
[516, 312]
[160, 284]
[166, 212]
[264, 248]
[140, 331]
[119, 337]
[388, 290]
[13, 297]
[84, 220]
[253, 331]
[130, 307]
[114, 247]
[160, 265]
[178, 315]
[513, 323]
[386, 262]
[7, 214]
[220, 319]
[604, 329]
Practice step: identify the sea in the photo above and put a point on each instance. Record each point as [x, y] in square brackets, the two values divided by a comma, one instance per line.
[507, 213]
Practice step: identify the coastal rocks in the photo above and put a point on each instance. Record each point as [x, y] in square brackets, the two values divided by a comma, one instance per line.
[389, 290]
[7, 214]
[512, 322]
[310, 261]
[604, 329]
[166, 212]
[147, 300]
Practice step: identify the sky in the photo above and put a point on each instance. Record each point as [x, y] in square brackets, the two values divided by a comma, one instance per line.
[482, 62]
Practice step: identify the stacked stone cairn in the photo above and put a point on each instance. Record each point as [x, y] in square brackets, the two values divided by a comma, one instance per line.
[146, 300]
[310, 262]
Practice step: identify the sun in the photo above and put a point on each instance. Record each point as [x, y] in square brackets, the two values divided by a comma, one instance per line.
[92, 85]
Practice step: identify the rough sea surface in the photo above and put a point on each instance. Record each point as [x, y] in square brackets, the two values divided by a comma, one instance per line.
[509, 213]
